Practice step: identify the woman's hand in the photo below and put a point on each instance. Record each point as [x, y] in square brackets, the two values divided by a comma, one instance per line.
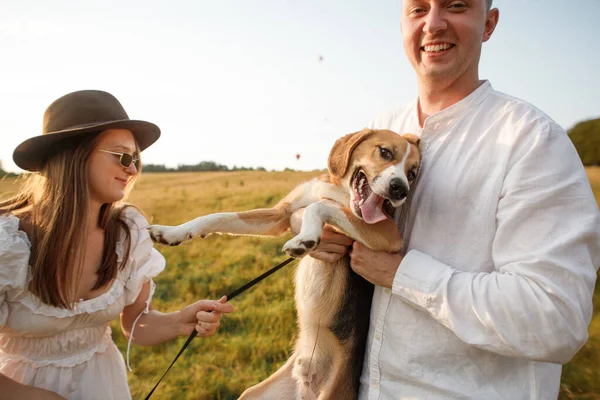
[332, 246]
[204, 316]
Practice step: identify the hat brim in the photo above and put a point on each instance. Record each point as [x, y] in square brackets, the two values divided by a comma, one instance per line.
[33, 152]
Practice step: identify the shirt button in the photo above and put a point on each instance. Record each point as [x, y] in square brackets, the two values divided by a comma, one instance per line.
[378, 336]
[386, 291]
[375, 384]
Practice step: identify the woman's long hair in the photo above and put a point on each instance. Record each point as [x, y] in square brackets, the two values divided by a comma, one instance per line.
[54, 203]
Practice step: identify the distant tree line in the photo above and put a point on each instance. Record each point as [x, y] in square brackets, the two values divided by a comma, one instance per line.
[586, 138]
[201, 166]
[3, 173]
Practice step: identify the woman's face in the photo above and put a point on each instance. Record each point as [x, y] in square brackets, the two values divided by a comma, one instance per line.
[108, 178]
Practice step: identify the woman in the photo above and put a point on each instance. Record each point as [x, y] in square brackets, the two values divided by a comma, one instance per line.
[73, 257]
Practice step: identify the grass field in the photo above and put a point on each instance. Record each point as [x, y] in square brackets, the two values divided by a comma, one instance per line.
[257, 338]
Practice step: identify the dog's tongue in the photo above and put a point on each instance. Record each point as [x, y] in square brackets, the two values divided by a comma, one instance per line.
[371, 209]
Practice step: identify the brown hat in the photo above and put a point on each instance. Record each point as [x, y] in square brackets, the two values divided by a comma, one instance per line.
[85, 111]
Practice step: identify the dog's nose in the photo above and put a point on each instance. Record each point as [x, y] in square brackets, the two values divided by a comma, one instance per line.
[398, 189]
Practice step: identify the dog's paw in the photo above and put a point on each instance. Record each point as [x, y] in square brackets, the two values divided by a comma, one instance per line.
[171, 235]
[299, 246]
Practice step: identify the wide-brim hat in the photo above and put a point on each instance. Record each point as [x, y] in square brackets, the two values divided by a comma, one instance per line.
[78, 113]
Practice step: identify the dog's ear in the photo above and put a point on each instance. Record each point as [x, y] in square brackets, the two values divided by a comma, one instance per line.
[339, 157]
[410, 138]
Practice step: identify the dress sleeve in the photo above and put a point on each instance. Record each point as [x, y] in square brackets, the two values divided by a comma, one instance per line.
[14, 260]
[145, 262]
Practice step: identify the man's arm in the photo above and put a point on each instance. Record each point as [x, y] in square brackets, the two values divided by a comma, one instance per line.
[537, 303]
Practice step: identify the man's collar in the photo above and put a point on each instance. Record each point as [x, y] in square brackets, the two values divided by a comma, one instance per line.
[456, 109]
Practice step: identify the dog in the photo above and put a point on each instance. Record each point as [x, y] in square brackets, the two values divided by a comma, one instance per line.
[370, 175]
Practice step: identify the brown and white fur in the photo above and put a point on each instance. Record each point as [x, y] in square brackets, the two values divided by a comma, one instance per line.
[332, 301]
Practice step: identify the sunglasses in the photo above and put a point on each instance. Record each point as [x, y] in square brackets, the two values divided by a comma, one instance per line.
[125, 159]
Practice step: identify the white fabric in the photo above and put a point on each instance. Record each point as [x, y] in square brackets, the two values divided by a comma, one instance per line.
[502, 237]
[70, 352]
[146, 310]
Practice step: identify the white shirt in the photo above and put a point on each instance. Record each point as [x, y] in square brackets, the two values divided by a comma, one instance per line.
[502, 245]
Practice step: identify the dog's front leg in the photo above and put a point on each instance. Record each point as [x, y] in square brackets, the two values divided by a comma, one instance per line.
[261, 222]
[383, 236]
[313, 219]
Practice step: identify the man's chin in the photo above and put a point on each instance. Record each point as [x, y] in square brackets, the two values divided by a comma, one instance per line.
[439, 72]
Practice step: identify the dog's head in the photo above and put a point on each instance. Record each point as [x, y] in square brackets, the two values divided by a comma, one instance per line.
[378, 167]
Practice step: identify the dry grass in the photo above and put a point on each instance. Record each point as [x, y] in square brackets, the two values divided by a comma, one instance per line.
[581, 377]
[258, 337]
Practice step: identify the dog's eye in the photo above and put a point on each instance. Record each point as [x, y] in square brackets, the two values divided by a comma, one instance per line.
[412, 174]
[386, 154]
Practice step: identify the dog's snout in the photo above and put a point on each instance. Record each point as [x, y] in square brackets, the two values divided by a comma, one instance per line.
[398, 189]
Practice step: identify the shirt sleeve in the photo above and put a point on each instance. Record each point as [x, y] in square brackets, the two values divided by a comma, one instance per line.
[537, 303]
[14, 260]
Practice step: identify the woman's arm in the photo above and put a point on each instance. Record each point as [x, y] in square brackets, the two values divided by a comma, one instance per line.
[156, 327]
[13, 390]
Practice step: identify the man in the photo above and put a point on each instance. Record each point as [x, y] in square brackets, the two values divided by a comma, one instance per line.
[502, 233]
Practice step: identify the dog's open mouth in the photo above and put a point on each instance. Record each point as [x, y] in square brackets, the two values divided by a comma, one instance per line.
[371, 207]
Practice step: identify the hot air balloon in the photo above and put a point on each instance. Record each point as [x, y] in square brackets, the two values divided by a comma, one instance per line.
[297, 156]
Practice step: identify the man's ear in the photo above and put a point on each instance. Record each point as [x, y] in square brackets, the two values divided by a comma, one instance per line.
[339, 156]
[491, 21]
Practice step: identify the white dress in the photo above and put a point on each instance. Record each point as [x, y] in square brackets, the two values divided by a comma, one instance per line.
[70, 352]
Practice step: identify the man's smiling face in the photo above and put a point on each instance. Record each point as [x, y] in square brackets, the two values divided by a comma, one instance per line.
[443, 38]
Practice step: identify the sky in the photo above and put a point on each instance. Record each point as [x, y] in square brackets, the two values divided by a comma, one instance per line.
[253, 83]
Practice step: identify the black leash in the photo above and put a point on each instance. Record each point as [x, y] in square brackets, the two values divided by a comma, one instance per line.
[229, 297]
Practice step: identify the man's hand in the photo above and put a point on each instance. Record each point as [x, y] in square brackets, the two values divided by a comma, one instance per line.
[378, 267]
